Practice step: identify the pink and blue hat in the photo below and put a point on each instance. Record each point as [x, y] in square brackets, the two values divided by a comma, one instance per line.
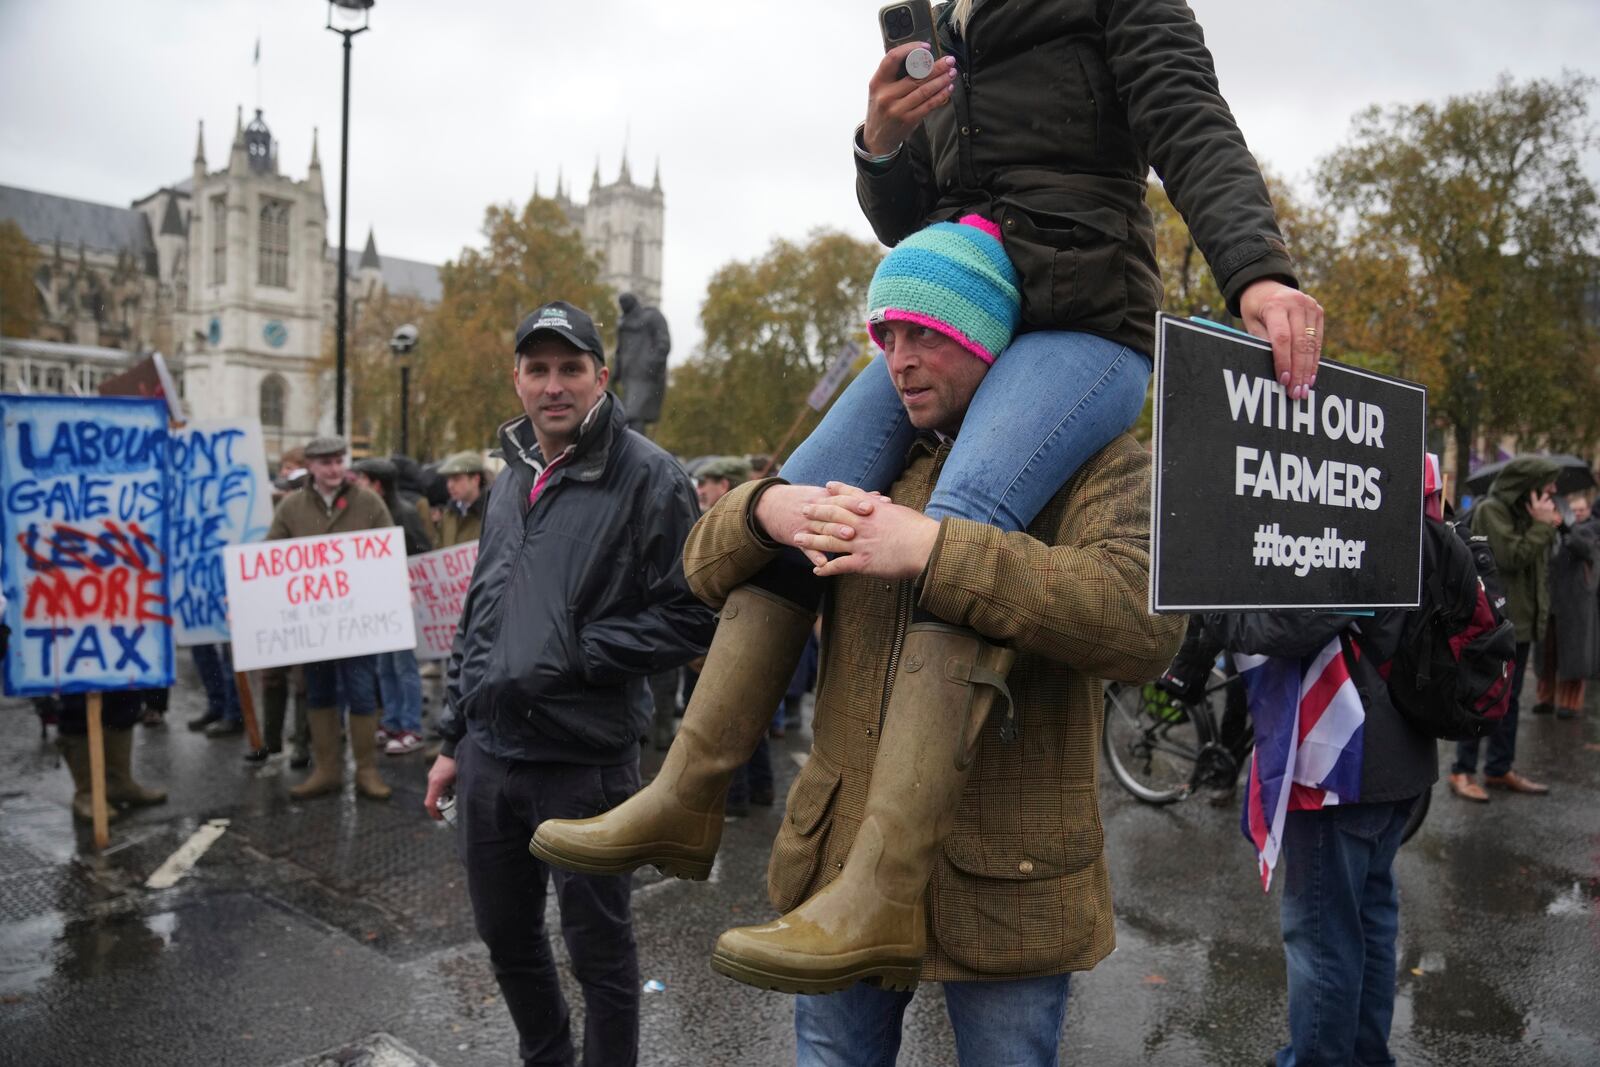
[954, 277]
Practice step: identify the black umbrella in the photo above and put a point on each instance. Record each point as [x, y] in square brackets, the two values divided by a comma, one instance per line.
[1573, 474]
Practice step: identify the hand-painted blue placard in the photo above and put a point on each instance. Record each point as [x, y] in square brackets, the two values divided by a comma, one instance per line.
[84, 544]
[218, 496]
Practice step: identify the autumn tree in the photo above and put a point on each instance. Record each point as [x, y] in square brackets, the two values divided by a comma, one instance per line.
[19, 300]
[1464, 251]
[374, 371]
[461, 369]
[771, 326]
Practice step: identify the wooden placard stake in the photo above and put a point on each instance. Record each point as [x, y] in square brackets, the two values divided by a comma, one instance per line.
[247, 708]
[97, 774]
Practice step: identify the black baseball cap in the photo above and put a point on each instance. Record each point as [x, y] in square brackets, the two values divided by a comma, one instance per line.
[566, 322]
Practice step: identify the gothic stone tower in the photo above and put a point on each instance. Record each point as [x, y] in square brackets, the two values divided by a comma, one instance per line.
[255, 288]
[622, 226]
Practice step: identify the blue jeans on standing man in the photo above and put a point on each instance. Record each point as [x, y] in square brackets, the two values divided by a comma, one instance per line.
[1052, 399]
[350, 683]
[214, 663]
[400, 689]
[1340, 916]
[997, 1024]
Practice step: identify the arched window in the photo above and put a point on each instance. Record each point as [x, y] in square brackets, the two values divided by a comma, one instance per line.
[638, 254]
[273, 256]
[274, 398]
[219, 240]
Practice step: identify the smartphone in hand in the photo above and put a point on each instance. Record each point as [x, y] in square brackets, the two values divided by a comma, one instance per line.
[910, 20]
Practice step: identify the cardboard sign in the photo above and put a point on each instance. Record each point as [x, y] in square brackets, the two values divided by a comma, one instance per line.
[1264, 502]
[217, 495]
[834, 376]
[439, 583]
[85, 544]
[311, 599]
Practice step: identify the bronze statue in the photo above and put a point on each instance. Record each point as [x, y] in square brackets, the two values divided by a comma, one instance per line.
[639, 373]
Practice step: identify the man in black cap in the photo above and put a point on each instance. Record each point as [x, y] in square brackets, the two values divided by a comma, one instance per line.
[577, 597]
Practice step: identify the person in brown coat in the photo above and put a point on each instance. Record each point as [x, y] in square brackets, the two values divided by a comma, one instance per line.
[945, 827]
[467, 481]
[328, 503]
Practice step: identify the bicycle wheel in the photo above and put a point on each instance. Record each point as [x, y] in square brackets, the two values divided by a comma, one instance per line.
[1151, 743]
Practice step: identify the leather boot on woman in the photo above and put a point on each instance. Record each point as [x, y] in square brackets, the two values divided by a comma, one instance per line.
[675, 822]
[869, 921]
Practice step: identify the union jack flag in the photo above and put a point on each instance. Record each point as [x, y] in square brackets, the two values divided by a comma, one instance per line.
[1308, 722]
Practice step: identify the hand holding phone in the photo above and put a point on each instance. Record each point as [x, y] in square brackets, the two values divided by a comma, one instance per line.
[898, 101]
[911, 21]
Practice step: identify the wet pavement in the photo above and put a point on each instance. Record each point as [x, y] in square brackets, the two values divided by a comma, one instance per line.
[329, 931]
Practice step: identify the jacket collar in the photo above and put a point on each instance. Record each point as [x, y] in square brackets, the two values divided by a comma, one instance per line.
[586, 457]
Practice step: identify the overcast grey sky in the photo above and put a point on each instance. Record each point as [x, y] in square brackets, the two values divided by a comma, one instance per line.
[747, 103]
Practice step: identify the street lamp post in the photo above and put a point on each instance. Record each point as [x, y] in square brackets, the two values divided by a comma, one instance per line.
[401, 344]
[349, 11]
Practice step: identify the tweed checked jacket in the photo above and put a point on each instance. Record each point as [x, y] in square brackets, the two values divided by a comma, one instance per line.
[1022, 888]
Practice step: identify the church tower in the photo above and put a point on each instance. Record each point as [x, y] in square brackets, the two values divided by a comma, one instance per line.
[622, 224]
[255, 288]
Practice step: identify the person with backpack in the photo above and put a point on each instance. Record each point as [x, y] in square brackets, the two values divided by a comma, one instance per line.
[1519, 517]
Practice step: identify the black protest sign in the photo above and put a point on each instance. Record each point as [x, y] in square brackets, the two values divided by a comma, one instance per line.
[1261, 501]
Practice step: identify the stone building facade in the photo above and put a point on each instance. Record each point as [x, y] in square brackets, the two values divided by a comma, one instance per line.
[229, 274]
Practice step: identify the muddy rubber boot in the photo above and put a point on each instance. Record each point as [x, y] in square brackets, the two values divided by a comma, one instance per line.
[675, 822]
[868, 923]
[327, 768]
[121, 786]
[364, 746]
[74, 750]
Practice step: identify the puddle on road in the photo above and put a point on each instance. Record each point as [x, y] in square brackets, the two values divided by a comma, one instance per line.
[1578, 900]
[35, 950]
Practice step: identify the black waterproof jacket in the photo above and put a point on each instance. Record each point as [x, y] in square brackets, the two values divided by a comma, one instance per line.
[1397, 761]
[1060, 110]
[575, 599]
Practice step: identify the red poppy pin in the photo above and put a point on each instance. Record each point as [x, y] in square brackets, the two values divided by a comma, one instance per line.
[341, 503]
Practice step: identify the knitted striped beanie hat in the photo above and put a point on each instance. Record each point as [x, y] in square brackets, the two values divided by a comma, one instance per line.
[953, 277]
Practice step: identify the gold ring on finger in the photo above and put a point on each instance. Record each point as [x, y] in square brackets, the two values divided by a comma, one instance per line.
[1311, 331]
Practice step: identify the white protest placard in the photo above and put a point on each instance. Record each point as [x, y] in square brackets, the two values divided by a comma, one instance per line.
[834, 376]
[439, 583]
[311, 599]
[217, 495]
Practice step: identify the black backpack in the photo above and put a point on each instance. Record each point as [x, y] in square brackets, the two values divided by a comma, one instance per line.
[1451, 676]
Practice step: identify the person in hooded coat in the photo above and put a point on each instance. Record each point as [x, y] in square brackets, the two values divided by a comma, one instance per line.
[1570, 651]
[1519, 517]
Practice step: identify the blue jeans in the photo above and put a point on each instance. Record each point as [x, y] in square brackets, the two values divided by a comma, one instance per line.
[348, 683]
[1341, 914]
[215, 666]
[400, 690]
[1503, 741]
[1051, 400]
[997, 1024]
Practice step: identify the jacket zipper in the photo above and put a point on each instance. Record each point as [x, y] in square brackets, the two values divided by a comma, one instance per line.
[902, 621]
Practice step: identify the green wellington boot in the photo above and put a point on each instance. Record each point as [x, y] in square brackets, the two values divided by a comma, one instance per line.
[868, 923]
[121, 786]
[327, 768]
[675, 822]
[364, 748]
[74, 749]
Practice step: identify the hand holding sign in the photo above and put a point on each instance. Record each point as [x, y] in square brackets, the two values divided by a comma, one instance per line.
[1292, 322]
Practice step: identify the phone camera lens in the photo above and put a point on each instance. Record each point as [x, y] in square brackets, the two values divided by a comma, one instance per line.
[899, 22]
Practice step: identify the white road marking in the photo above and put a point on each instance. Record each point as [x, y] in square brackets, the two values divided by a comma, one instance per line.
[182, 861]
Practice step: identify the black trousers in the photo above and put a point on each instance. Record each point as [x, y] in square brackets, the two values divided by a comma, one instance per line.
[499, 804]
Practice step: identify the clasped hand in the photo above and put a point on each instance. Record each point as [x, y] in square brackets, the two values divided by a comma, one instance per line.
[865, 533]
